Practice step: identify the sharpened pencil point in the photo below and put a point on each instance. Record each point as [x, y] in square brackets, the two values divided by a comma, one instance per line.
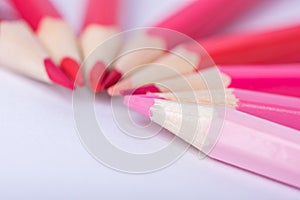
[97, 75]
[141, 90]
[56, 75]
[113, 77]
[139, 104]
[72, 69]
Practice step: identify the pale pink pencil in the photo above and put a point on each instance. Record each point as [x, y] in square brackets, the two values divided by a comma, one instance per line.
[244, 141]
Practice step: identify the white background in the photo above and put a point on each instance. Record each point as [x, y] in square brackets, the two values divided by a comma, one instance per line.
[42, 158]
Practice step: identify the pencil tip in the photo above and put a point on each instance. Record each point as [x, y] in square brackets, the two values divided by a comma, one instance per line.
[141, 90]
[56, 75]
[97, 75]
[72, 69]
[113, 77]
[139, 104]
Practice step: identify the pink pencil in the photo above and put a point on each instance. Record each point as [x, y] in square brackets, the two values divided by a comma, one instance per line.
[198, 19]
[101, 23]
[278, 79]
[280, 109]
[245, 141]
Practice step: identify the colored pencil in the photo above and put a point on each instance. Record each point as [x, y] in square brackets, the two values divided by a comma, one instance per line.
[101, 22]
[280, 109]
[245, 141]
[21, 52]
[55, 34]
[206, 79]
[279, 78]
[283, 79]
[199, 18]
[281, 45]
[275, 46]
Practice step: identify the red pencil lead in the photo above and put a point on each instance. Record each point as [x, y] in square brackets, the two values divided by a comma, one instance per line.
[72, 69]
[97, 75]
[113, 77]
[56, 75]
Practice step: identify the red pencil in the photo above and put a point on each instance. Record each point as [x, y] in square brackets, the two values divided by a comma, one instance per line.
[55, 34]
[269, 47]
[280, 45]
[198, 19]
[21, 52]
[101, 23]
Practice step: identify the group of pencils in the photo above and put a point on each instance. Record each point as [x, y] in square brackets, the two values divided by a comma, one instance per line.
[254, 76]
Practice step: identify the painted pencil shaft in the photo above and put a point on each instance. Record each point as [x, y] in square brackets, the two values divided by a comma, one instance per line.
[281, 45]
[282, 79]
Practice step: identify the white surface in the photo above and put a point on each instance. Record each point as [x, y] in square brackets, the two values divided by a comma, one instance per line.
[42, 158]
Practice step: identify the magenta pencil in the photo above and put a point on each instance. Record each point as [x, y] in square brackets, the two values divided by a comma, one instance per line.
[277, 79]
[281, 79]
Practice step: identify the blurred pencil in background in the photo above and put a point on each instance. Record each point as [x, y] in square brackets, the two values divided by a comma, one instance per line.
[281, 45]
[278, 78]
[206, 79]
[101, 23]
[21, 52]
[199, 18]
[54, 33]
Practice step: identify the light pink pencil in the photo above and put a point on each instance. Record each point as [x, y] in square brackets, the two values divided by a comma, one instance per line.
[245, 141]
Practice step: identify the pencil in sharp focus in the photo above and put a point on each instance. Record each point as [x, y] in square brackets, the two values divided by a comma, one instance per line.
[245, 141]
